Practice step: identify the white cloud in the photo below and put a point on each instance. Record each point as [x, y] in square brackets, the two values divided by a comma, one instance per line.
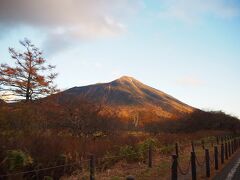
[192, 10]
[68, 21]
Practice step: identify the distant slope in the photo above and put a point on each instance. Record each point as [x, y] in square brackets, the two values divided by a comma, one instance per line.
[196, 121]
[132, 99]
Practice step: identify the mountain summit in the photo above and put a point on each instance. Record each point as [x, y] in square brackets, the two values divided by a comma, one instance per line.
[129, 97]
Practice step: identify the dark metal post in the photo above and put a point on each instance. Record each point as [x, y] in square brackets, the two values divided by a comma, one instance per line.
[216, 157]
[174, 167]
[92, 167]
[203, 145]
[222, 153]
[176, 149]
[226, 151]
[193, 149]
[235, 144]
[193, 165]
[150, 156]
[207, 159]
[229, 149]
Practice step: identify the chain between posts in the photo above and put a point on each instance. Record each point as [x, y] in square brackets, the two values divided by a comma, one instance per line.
[201, 164]
[185, 171]
[211, 160]
[43, 169]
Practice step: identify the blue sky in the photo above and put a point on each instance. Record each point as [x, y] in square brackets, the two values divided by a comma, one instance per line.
[187, 48]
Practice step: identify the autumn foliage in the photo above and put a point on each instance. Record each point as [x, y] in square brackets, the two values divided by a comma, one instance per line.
[30, 78]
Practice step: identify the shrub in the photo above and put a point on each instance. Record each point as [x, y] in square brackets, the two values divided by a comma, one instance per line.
[167, 149]
[17, 159]
[129, 153]
[138, 152]
[142, 148]
[108, 160]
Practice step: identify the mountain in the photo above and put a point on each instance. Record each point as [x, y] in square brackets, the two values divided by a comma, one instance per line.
[132, 99]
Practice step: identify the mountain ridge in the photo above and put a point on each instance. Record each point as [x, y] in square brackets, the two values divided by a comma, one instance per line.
[129, 97]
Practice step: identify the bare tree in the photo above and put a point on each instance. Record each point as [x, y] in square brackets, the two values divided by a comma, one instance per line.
[85, 118]
[82, 116]
[31, 78]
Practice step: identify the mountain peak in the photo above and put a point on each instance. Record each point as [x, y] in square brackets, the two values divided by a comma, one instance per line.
[129, 96]
[126, 78]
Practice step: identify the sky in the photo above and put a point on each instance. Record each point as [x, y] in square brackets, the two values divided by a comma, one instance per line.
[189, 49]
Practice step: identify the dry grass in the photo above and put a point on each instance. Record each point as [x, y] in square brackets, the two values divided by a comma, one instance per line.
[161, 161]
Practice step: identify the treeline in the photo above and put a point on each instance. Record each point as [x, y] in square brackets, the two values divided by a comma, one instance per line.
[198, 120]
[76, 116]
[83, 118]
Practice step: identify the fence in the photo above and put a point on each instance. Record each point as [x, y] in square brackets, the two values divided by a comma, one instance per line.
[224, 148]
[221, 152]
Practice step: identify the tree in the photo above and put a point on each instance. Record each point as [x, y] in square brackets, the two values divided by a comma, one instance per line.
[82, 116]
[85, 118]
[31, 78]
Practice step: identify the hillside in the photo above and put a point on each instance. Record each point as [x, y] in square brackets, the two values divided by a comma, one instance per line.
[131, 99]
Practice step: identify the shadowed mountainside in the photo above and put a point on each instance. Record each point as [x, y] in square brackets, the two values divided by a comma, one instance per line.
[130, 98]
